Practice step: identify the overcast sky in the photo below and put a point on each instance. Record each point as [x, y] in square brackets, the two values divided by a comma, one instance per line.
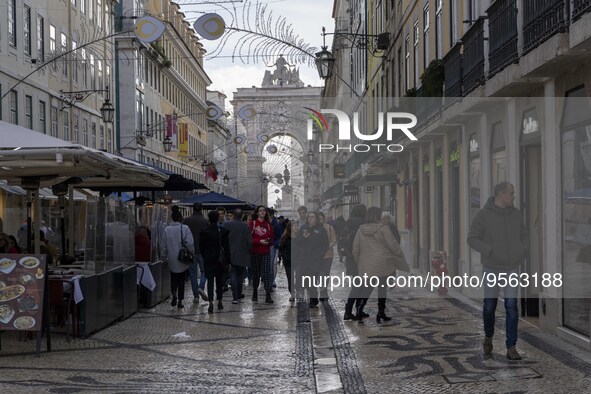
[307, 18]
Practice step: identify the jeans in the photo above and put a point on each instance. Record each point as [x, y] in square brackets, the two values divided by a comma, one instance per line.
[196, 270]
[491, 297]
[177, 284]
[236, 279]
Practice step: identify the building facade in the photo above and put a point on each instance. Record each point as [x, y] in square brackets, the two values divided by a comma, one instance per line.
[500, 89]
[162, 90]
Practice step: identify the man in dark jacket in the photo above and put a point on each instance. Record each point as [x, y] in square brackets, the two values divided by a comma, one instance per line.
[197, 223]
[499, 234]
[215, 249]
[240, 244]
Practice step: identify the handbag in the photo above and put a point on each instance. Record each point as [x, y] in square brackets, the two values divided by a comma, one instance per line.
[185, 256]
[222, 255]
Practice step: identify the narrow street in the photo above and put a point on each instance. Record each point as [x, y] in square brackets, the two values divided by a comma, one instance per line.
[432, 344]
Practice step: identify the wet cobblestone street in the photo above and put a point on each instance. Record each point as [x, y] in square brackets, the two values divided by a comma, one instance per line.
[432, 345]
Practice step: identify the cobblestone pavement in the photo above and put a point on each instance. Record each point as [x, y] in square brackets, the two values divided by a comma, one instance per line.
[432, 345]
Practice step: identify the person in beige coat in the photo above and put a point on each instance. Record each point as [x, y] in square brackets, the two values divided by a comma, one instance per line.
[377, 254]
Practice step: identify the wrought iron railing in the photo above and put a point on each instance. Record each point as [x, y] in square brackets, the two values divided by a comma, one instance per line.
[473, 41]
[452, 64]
[580, 7]
[502, 28]
[542, 19]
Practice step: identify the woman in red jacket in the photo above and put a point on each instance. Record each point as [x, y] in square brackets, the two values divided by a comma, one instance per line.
[262, 239]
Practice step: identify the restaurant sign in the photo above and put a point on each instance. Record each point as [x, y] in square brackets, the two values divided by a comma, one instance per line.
[22, 289]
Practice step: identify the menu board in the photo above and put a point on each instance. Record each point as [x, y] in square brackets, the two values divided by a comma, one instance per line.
[22, 288]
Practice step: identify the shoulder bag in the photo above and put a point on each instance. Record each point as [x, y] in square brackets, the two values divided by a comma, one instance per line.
[185, 256]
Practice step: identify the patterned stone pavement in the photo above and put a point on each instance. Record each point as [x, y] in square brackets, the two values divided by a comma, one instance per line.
[431, 345]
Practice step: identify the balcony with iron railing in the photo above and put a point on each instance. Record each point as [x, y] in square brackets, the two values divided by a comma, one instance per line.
[502, 32]
[473, 42]
[580, 7]
[542, 19]
[452, 64]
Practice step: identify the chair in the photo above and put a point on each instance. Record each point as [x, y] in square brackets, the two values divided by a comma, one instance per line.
[60, 303]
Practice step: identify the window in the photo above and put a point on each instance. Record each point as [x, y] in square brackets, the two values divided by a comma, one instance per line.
[66, 125]
[109, 140]
[107, 17]
[12, 22]
[93, 135]
[74, 61]
[13, 107]
[84, 67]
[438, 33]
[27, 30]
[92, 72]
[53, 121]
[91, 9]
[75, 119]
[100, 75]
[40, 39]
[99, 14]
[64, 49]
[29, 112]
[42, 122]
[101, 137]
[426, 36]
[453, 28]
[85, 132]
[407, 62]
[73, 3]
[416, 53]
[52, 45]
[83, 6]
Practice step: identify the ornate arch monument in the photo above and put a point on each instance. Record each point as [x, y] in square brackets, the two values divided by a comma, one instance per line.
[279, 108]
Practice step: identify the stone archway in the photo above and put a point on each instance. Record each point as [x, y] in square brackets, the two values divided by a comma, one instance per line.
[279, 106]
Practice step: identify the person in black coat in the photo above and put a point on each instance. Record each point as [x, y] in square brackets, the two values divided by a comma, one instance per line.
[312, 244]
[215, 249]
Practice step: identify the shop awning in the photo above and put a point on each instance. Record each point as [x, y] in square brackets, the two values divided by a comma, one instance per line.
[213, 199]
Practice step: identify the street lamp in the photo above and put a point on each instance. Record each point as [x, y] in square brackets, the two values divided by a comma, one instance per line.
[69, 99]
[204, 165]
[324, 59]
[167, 144]
[226, 180]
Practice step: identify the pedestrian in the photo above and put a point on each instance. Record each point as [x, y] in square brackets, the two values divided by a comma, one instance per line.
[312, 244]
[339, 226]
[327, 260]
[377, 255]
[277, 233]
[285, 251]
[197, 223]
[302, 214]
[240, 240]
[388, 221]
[215, 250]
[176, 236]
[347, 236]
[143, 245]
[262, 239]
[12, 243]
[498, 233]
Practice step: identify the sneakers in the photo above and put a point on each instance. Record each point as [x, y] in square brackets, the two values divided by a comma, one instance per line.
[268, 299]
[291, 299]
[196, 300]
[512, 354]
[204, 296]
[180, 305]
[487, 345]
[173, 302]
[234, 302]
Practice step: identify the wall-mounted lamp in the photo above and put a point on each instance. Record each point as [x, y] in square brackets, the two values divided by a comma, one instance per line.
[69, 99]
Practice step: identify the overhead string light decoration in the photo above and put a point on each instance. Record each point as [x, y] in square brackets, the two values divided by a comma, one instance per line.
[259, 35]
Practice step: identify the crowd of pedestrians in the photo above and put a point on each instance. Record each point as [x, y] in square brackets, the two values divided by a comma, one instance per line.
[230, 247]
